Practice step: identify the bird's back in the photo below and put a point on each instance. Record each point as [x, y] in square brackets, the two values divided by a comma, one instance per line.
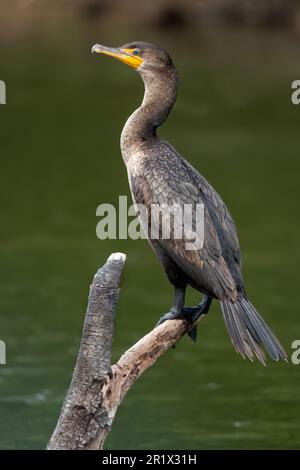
[159, 175]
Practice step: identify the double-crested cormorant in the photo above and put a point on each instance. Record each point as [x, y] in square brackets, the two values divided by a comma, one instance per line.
[159, 175]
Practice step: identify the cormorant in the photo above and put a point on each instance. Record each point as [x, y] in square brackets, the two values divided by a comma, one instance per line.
[158, 174]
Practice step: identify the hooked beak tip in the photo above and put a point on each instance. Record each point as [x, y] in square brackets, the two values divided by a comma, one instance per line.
[95, 48]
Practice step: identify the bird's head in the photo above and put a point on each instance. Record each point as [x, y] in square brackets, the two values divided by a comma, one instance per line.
[157, 71]
[142, 56]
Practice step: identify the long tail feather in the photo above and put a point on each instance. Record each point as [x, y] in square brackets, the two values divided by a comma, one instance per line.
[249, 333]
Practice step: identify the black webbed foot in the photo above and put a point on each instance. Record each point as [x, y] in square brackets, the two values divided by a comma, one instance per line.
[190, 314]
[171, 315]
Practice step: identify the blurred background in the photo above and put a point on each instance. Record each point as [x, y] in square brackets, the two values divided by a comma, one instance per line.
[60, 158]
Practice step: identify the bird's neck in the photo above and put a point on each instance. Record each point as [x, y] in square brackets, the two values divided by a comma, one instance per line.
[159, 98]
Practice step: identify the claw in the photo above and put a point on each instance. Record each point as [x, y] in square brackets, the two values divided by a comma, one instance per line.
[193, 334]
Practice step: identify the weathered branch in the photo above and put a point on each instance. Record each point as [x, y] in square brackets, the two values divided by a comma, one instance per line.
[97, 389]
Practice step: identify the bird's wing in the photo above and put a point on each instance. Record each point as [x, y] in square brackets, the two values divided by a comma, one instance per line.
[223, 222]
[168, 181]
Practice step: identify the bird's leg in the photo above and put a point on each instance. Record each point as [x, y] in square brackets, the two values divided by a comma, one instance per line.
[191, 314]
[177, 309]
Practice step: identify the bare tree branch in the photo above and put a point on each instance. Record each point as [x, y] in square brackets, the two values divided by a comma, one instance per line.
[97, 389]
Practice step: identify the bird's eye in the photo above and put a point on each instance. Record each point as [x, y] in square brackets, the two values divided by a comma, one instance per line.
[136, 52]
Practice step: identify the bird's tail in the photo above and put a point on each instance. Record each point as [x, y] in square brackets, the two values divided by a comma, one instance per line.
[248, 331]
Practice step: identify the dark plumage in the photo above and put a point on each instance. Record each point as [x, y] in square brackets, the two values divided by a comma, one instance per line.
[159, 175]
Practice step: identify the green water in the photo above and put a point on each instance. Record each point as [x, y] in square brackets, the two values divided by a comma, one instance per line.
[59, 144]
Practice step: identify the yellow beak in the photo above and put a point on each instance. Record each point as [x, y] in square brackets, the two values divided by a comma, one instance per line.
[124, 55]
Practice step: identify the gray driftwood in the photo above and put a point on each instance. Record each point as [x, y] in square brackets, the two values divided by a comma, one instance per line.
[97, 388]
